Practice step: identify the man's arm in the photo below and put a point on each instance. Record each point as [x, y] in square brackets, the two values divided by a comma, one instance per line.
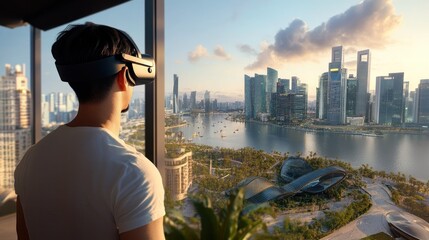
[21, 227]
[152, 231]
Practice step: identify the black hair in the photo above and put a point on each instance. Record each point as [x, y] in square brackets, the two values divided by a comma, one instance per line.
[88, 42]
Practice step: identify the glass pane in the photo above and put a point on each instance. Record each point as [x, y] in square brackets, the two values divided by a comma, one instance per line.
[15, 102]
[59, 103]
[308, 106]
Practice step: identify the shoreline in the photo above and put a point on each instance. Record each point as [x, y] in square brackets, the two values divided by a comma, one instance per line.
[370, 132]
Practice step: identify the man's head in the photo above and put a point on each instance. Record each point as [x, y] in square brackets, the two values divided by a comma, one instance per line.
[85, 43]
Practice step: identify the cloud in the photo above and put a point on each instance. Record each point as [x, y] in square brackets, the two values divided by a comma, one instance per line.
[366, 25]
[247, 49]
[220, 52]
[199, 52]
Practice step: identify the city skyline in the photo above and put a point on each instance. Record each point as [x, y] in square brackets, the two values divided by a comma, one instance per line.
[213, 49]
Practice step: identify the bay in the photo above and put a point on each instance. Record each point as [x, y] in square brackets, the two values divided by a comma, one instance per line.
[406, 153]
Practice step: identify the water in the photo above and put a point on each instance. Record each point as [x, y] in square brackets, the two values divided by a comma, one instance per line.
[406, 153]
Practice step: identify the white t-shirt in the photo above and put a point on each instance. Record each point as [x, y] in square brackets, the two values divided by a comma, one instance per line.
[85, 183]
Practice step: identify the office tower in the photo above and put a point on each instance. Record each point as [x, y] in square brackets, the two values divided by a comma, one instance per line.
[323, 96]
[193, 100]
[248, 100]
[295, 83]
[363, 76]
[178, 169]
[352, 92]
[283, 105]
[70, 102]
[259, 99]
[284, 85]
[406, 99]
[301, 101]
[176, 94]
[207, 107]
[389, 99]
[185, 102]
[291, 107]
[214, 105]
[254, 95]
[270, 87]
[15, 128]
[423, 106]
[336, 112]
[416, 105]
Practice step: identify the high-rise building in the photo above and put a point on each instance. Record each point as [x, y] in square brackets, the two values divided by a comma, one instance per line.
[283, 85]
[363, 76]
[389, 99]
[416, 106]
[259, 102]
[178, 169]
[254, 95]
[193, 100]
[352, 92]
[270, 87]
[248, 97]
[185, 104]
[336, 112]
[423, 106]
[15, 128]
[301, 101]
[176, 94]
[322, 104]
[207, 107]
[406, 96]
[291, 107]
[295, 83]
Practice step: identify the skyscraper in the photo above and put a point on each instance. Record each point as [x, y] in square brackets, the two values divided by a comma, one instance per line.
[323, 96]
[283, 85]
[336, 112]
[270, 87]
[352, 91]
[254, 95]
[207, 107]
[389, 99]
[259, 102]
[15, 129]
[363, 76]
[185, 104]
[176, 94]
[248, 99]
[295, 83]
[423, 106]
[193, 100]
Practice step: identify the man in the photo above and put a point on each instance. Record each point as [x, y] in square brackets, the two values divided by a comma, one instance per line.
[81, 181]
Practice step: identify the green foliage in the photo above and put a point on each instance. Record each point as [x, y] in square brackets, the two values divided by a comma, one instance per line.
[359, 206]
[229, 225]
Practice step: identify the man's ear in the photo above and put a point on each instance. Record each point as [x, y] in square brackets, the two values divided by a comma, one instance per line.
[121, 79]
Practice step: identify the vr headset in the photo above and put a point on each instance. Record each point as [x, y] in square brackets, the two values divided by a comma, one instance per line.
[141, 67]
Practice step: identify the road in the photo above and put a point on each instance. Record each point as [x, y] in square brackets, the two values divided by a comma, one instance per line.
[371, 222]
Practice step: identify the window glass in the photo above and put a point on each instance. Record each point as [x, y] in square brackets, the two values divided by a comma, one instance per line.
[15, 102]
[58, 102]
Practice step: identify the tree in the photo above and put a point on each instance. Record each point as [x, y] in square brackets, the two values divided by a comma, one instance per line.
[230, 224]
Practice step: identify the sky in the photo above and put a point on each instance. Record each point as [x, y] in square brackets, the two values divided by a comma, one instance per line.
[211, 45]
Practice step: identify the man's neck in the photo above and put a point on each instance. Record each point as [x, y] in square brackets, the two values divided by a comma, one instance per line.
[94, 115]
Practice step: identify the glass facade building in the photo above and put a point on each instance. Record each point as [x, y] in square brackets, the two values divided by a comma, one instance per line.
[336, 112]
[423, 106]
[363, 76]
[389, 99]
